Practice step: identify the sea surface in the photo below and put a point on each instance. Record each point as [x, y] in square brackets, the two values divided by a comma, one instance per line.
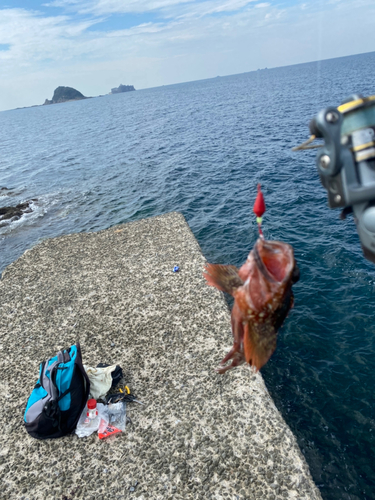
[201, 148]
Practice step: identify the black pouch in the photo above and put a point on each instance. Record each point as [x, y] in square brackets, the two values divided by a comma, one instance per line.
[117, 374]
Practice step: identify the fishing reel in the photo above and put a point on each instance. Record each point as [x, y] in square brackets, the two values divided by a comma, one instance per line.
[346, 162]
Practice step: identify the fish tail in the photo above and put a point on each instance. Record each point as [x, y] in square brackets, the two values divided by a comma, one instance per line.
[225, 278]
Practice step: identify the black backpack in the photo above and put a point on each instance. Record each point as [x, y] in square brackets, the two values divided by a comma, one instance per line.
[59, 396]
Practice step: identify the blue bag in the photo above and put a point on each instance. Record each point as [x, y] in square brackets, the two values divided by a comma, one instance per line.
[59, 396]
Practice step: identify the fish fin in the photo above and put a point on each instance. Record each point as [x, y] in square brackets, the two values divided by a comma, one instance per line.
[225, 278]
[258, 352]
[237, 360]
[236, 353]
[249, 348]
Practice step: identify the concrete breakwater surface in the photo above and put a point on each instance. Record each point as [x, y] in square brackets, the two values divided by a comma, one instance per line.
[199, 434]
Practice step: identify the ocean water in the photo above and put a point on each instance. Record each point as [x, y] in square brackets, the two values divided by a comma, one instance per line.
[201, 148]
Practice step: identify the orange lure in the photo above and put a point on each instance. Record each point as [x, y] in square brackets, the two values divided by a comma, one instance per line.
[262, 291]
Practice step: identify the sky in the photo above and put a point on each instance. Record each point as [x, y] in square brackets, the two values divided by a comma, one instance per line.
[94, 45]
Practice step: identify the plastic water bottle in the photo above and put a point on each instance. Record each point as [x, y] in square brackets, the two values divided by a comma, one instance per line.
[92, 412]
[89, 420]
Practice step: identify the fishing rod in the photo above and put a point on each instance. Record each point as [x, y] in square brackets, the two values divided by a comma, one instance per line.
[346, 162]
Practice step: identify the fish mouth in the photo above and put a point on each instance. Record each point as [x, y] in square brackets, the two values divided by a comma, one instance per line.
[275, 260]
[262, 268]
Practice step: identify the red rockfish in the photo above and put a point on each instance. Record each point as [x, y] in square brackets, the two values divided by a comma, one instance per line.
[262, 291]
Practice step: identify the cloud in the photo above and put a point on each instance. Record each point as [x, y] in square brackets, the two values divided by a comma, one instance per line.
[167, 8]
[209, 8]
[104, 7]
[33, 37]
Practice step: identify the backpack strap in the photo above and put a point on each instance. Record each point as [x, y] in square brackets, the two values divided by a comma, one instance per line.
[47, 383]
[63, 394]
[83, 371]
[65, 356]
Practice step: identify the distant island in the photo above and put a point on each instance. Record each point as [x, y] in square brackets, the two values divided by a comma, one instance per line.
[122, 88]
[64, 94]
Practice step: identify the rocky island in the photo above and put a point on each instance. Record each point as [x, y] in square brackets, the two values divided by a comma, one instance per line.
[64, 94]
[122, 88]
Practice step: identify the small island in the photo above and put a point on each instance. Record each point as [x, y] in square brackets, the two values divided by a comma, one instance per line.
[67, 94]
[64, 94]
[122, 88]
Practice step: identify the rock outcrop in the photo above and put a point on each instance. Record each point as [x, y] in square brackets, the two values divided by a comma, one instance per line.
[15, 213]
[64, 94]
[122, 88]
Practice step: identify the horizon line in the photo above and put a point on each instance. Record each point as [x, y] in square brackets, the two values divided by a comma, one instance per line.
[212, 77]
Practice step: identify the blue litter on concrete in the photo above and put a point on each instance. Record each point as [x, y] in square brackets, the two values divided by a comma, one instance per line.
[175, 269]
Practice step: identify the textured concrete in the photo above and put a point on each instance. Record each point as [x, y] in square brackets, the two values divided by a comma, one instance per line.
[199, 434]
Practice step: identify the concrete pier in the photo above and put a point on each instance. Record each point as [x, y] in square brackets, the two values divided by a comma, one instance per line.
[199, 435]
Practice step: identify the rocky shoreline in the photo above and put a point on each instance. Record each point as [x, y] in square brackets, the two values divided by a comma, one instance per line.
[199, 435]
[10, 214]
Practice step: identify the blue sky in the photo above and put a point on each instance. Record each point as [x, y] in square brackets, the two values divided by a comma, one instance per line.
[94, 45]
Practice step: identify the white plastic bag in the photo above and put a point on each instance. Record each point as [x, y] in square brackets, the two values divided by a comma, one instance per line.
[117, 415]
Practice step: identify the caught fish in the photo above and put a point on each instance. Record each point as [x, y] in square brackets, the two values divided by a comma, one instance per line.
[263, 296]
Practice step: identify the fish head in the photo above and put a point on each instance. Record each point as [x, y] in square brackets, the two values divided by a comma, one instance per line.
[275, 260]
[269, 269]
